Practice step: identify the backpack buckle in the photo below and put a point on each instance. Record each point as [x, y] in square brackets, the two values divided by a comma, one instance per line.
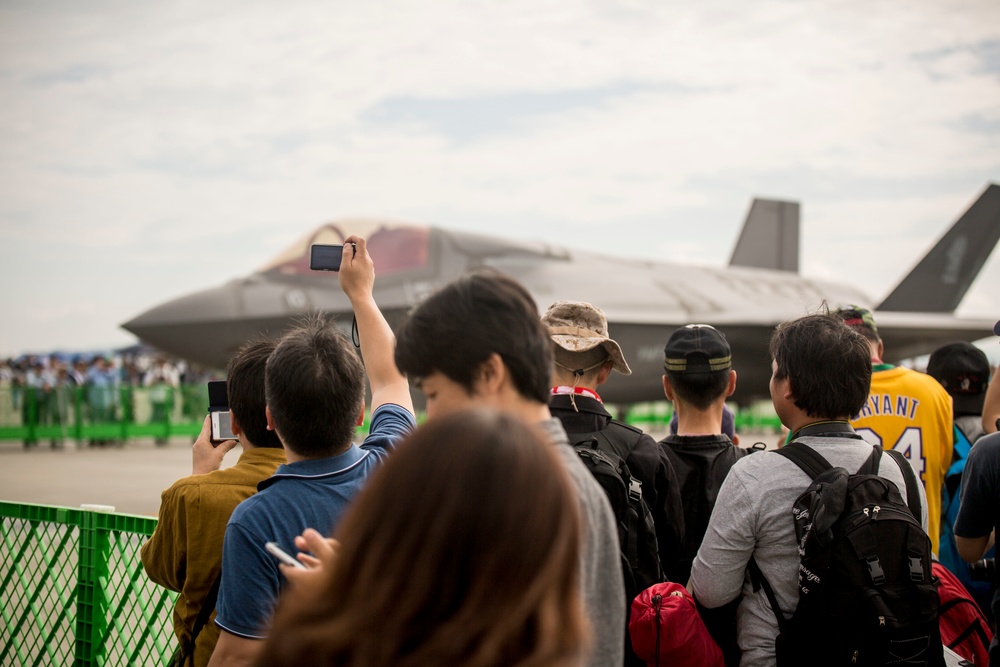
[634, 490]
[916, 569]
[876, 571]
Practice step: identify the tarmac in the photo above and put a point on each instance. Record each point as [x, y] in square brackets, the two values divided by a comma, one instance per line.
[130, 478]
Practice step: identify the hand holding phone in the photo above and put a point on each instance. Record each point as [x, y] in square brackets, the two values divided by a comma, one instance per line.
[326, 257]
[218, 409]
[282, 555]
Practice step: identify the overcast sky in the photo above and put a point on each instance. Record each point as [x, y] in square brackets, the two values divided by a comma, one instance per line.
[151, 149]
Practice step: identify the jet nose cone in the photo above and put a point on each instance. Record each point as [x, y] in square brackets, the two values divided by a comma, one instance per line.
[189, 326]
[218, 303]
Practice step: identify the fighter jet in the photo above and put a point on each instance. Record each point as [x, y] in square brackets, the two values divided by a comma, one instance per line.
[644, 300]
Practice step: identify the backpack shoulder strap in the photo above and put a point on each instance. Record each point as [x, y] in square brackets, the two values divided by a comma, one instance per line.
[576, 439]
[871, 465]
[758, 580]
[805, 457]
[625, 440]
[910, 478]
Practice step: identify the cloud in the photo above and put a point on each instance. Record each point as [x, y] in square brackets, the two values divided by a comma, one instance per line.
[156, 132]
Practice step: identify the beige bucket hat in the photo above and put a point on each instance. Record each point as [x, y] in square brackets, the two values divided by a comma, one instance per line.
[577, 326]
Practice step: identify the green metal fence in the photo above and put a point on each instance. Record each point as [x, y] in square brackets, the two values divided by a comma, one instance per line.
[655, 416]
[73, 590]
[100, 413]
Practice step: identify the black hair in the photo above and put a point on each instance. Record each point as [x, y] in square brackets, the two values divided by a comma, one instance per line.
[828, 365]
[455, 330]
[315, 389]
[700, 390]
[245, 387]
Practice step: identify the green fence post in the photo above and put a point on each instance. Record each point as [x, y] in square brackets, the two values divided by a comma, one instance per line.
[31, 413]
[78, 415]
[92, 604]
[168, 410]
[125, 402]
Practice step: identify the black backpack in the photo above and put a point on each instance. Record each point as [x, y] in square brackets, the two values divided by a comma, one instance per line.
[604, 453]
[867, 595]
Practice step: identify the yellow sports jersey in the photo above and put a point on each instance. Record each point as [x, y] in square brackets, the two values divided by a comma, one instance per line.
[911, 413]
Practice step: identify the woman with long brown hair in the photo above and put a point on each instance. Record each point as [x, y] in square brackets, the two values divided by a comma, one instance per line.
[463, 549]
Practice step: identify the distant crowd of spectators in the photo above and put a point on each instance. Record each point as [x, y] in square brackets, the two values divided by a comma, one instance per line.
[44, 389]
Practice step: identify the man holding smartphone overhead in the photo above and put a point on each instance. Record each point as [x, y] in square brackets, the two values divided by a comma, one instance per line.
[315, 400]
[185, 552]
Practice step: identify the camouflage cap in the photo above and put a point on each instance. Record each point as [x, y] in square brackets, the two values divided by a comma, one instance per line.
[858, 317]
[577, 326]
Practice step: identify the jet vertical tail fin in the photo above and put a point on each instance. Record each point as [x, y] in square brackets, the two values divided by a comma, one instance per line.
[770, 237]
[940, 280]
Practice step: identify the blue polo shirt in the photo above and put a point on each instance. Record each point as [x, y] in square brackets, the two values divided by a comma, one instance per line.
[300, 495]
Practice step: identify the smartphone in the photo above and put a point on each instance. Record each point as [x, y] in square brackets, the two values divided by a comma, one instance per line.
[218, 408]
[282, 555]
[325, 257]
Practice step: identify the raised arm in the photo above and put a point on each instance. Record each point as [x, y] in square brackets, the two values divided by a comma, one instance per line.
[357, 279]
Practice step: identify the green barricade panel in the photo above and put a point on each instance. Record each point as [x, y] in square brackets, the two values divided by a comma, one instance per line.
[73, 590]
[139, 630]
[38, 583]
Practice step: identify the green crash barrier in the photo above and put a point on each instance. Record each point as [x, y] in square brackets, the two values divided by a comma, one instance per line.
[66, 413]
[83, 413]
[73, 590]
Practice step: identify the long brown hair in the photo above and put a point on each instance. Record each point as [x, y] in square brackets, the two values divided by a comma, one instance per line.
[463, 549]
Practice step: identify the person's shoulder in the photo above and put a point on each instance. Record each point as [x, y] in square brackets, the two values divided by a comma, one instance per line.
[987, 448]
[250, 510]
[187, 486]
[762, 466]
[918, 379]
[391, 413]
[634, 431]
[581, 478]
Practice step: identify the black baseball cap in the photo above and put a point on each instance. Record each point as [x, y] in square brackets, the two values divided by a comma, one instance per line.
[697, 348]
[964, 371]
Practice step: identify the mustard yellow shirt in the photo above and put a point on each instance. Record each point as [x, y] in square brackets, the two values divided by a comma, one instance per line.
[912, 413]
[184, 553]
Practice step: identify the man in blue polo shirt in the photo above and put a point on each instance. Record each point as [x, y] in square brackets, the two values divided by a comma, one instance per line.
[315, 399]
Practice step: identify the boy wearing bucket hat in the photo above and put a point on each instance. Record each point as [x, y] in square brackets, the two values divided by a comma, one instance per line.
[584, 356]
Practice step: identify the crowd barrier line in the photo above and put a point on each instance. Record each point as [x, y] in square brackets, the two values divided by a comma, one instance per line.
[73, 590]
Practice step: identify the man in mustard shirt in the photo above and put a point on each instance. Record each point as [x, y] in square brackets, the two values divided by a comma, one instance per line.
[909, 412]
[185, 552]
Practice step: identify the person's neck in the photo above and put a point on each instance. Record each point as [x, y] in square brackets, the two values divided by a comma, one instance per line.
[794, 426]
[563, 380]
[293, 457]
[527, 410]
[699, 422]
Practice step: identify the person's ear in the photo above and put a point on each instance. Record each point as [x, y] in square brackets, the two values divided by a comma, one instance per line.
[490, 376]
[668, 391]
[270, 420]
[234, 425]
[361, 416]
[732, 383]
[605, 372]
